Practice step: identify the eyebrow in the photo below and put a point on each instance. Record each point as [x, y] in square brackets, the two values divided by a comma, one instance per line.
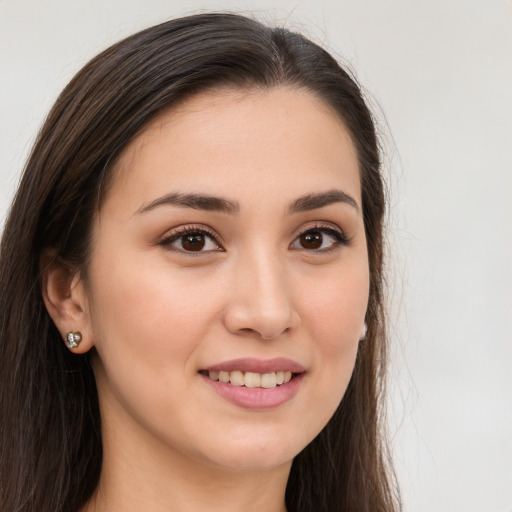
[219, 204]
[314, 201]
[195, 201]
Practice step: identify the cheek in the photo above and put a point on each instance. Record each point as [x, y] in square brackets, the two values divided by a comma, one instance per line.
[335, 316]
[147, 323]
[335, 306]
[147, 304]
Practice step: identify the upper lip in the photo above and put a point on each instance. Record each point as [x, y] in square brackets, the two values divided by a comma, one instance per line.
[250, 364]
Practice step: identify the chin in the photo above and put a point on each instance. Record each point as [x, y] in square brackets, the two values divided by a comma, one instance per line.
[258, 453]
[255, 460]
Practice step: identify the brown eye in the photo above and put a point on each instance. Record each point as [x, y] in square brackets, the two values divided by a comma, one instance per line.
[319, 239]
[193, 242]
[311, 240]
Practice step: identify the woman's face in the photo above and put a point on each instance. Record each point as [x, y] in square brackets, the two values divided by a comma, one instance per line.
[230, 247]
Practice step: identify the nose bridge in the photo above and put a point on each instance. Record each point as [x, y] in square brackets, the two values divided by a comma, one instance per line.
[262, 299]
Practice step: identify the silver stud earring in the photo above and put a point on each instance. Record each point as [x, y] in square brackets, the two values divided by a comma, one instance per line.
[74, 339]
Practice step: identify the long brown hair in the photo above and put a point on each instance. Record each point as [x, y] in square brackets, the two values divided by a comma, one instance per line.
[50, 445]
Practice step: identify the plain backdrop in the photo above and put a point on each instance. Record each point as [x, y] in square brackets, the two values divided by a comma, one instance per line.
[439, 76]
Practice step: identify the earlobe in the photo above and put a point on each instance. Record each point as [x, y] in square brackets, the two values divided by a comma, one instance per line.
[66, 302]
[364, 329]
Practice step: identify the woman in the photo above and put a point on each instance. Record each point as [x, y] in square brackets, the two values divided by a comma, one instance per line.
[191, 283]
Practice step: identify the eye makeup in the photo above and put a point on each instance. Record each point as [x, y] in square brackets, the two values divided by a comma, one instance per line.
[197, 239]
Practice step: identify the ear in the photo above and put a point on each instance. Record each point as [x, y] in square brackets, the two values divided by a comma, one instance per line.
[362, 335]
[66, 301]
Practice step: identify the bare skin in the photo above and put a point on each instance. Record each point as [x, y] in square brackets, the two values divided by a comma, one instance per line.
[273, 268]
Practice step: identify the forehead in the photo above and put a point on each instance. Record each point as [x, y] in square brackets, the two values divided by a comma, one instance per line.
[229, 140]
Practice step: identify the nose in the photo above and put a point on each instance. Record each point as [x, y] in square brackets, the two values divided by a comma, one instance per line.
[261, 299]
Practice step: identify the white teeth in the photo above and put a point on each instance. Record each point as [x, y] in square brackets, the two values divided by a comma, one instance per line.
[268, 380]
[224, 376]
[237, 378]
[252, 379]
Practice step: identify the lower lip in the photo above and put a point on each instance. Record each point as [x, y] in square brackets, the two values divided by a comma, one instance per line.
[256, 398]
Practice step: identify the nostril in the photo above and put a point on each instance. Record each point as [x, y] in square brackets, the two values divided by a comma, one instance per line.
[267, 321]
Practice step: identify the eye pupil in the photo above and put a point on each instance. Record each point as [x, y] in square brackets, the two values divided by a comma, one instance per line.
[193, 242]
[311, 240]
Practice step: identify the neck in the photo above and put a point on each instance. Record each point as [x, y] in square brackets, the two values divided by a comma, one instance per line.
[151, 477]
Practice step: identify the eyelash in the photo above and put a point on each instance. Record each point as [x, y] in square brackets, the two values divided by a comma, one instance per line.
[339, 236]
[190, 230]
[341, 239]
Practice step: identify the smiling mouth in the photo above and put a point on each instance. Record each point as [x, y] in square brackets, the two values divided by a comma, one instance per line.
[251, 379]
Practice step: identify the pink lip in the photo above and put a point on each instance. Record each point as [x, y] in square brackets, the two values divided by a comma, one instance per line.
[249, 364]
[257, 398]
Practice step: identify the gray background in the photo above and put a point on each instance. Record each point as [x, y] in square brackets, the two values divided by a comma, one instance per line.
[440, 77]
